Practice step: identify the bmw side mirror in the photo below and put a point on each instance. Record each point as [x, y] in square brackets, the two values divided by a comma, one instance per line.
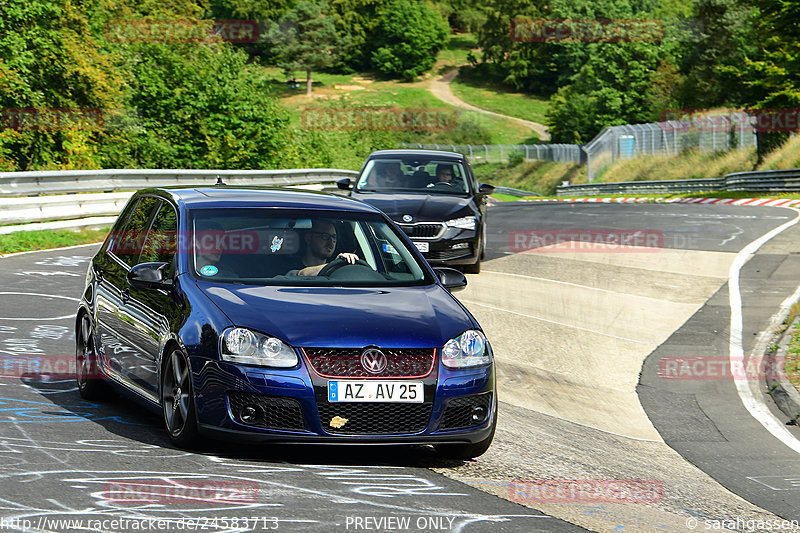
[452, 279]
[345, 184]
[149, 276]
[485, 188]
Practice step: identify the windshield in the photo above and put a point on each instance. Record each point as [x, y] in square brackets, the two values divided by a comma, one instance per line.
[279, 247]
[439, 176]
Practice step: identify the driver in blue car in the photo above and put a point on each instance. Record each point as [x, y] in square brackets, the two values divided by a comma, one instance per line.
[320, 244]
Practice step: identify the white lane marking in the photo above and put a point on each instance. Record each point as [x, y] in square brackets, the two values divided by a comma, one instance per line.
[46, 296]
[757, 409]
[471, 302]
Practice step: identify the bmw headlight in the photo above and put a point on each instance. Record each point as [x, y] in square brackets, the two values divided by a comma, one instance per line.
[463, 223]
[244, 346]
[468, 349]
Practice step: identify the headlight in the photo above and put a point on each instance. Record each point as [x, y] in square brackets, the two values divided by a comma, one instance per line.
[463, 223]
[468, 349]
[240, 345]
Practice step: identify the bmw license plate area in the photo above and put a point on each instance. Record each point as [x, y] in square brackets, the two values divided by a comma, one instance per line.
[421, 246]
[376, 391]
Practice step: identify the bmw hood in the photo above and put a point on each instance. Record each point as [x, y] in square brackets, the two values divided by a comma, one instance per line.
[423, 207]
[419, 317]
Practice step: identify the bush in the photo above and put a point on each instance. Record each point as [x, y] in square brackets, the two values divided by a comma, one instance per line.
[410, 34]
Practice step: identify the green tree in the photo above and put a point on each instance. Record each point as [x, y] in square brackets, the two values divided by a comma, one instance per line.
[724, 40]
[774, 75]
[305, 39]
[356, 22]
[409, 36]
[50, 60]
[611, 88]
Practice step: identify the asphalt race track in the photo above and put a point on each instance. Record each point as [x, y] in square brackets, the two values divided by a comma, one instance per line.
[554, 317]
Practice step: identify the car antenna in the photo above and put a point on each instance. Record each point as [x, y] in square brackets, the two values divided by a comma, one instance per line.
[219, 181]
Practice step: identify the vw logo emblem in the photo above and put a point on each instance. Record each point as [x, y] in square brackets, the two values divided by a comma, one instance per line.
[373, 361]
[407, 218]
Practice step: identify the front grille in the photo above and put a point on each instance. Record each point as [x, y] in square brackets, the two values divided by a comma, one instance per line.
[346, 362]
[445, 255]
[458, 413]
[423, 231]
[273, 412]
[375, 418]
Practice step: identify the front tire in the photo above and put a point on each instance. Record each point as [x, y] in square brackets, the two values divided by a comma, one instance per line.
[90, 384]
[177, 400]
[474, 268]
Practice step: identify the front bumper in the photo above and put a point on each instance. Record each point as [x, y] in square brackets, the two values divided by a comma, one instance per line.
[295, 399]
[454, 247]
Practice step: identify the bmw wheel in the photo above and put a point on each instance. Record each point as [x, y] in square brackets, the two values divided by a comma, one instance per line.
[177, 400]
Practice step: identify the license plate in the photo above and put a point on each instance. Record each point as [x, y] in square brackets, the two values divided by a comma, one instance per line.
[376, 391]
[421, 246]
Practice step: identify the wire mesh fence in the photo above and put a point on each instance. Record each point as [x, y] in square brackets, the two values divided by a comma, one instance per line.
[502, 153]
[708, 133]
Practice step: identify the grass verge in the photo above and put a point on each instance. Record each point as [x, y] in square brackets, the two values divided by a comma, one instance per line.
[476, 90]
[792, 365]
[25, 241]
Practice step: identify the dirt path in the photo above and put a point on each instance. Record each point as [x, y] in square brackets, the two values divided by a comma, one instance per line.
[440, 88]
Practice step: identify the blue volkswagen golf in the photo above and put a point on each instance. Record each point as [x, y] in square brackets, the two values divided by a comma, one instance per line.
[279, 315]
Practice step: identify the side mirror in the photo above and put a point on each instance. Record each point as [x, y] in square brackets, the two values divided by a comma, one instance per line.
[345, 184]
[452, 279]
[149, 276]
[485, 188]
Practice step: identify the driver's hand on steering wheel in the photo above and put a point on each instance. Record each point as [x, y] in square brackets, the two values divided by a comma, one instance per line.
[350, 258]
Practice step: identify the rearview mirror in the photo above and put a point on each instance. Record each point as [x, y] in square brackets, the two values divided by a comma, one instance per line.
[485, 188]
[345, 184]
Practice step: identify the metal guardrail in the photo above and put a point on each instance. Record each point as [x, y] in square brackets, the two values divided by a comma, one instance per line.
[75, 181]
[759, 182]
[50, 195]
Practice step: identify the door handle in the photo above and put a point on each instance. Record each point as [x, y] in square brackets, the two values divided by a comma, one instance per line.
[126, 295]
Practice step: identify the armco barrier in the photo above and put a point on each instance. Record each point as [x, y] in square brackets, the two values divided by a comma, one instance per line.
[50, 195]
[74, 181]
[761, 182]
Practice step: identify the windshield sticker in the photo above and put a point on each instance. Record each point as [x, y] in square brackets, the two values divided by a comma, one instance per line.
[277, 242]
[209, 270]
[389, 249]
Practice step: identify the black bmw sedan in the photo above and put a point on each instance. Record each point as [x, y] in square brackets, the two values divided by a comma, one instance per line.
[434, 197]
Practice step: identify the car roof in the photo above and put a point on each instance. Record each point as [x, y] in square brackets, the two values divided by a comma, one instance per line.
[380, 154]
[250, 196]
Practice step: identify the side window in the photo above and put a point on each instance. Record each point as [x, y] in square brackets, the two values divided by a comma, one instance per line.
[128, 244]
[161, 242]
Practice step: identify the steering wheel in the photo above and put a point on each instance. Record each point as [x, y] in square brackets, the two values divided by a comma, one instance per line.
[336, 264]
[447, 183]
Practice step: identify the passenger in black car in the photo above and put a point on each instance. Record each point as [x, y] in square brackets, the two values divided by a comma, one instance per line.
[320, 244]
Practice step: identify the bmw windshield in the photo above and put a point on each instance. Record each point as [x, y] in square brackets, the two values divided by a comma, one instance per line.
[257, 246]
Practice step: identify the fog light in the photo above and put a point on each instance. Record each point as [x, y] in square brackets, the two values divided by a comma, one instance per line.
[478, 414]
[460, 246]
[249, 414]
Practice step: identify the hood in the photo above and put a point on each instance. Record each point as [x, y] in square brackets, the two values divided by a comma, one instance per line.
[419, 317]
[423, 207]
